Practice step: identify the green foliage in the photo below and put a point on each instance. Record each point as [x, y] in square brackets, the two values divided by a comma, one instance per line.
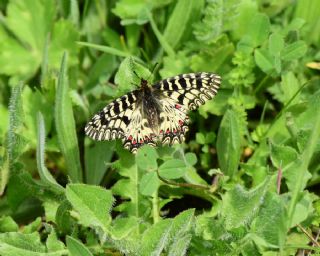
[246, 180]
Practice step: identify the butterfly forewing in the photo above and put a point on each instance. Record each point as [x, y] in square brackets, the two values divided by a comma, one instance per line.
[154, 114]
[112, 121]
[190, 90]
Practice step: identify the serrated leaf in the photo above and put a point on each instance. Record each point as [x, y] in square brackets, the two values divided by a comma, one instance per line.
[241, 206]
[271, 222]
[93, 204]
[156, 238]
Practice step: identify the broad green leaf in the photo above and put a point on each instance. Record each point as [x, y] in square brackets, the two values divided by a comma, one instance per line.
[271, 221]
[97, 158]
[172, 169]
[258, 30]
[146, 158]
[149, 184]
[7, 224]
[282, 156]
[123, 227]
[92, 203]
[125, 77]
[240, 206]
[229, 144]
[178, 23]
[64, 37]
[63, 218]
[29, 28]
[76, 248]
[303, 209]
[65, 125]
[53, 243]
[293, 51]
[264, 60]
[276, 43]
[301, 174]
[156, 238]
[191, 158]
[17, 244]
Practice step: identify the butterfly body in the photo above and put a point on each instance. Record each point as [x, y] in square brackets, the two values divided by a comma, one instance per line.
[156, 113]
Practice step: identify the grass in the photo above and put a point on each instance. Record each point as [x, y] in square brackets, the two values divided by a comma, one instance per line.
[245, 182]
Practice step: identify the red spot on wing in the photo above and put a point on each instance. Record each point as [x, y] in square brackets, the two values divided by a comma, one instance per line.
[177, 106]
[130, 137]
[134, 142]
[161, 131]
[168, 131]
[181, 122]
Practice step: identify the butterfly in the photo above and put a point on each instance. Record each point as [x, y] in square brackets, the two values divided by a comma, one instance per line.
[154, 114]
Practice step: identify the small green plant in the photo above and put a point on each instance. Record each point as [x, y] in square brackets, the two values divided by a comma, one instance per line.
[245, 182]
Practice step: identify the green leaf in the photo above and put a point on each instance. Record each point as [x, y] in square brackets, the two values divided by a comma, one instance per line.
[7, 224]
[178, 22]
[282, 156]
[17, 244]
[92, 203]
[258, 30]
[172, 169]
[156, 238]
[76, 248]
[125, 76]
[241, 206]
[65, 125]
[146, 158]
[45, 175]
[97, 158]
[229, 144]
[276, 43]
[271, 222]
[294, 51]
[264, 60]
[149, 184]
[53, 244]
[123, 227]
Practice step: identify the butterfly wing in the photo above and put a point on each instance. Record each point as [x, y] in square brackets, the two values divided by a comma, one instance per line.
[180, 94]
[122, 119]
[190, 90]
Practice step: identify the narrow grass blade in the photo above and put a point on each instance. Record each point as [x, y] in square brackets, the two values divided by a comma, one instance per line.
[65, 125]
[45, 175]
[165, 45]
[110, 50]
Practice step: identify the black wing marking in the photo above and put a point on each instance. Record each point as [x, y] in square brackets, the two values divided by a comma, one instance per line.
[112, 121]
[122, 119]
[190, 90]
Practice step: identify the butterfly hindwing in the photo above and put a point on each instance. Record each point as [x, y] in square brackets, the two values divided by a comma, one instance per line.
[174, 122]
